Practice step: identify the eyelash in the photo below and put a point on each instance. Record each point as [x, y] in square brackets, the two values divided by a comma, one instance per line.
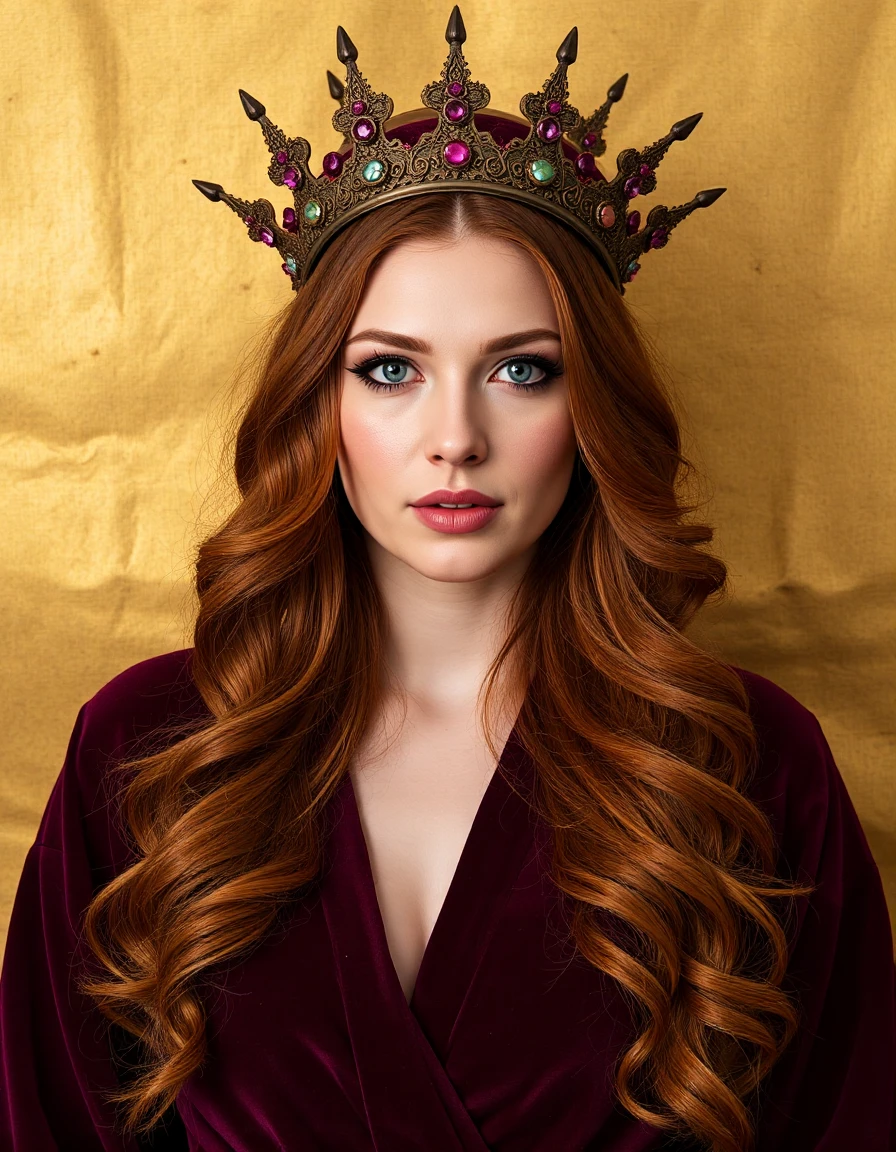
[550, 368]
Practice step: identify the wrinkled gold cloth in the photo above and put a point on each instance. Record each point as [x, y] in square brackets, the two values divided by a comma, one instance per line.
[129, 300]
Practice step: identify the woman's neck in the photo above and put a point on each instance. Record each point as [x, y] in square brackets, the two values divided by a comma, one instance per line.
[442, 636]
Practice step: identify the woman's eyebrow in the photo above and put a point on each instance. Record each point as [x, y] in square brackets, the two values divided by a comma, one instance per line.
[412, 344]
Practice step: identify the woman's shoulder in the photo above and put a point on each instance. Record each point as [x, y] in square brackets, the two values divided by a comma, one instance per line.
[778, 716]
[796, 781]
[140, 710]
[142, 698]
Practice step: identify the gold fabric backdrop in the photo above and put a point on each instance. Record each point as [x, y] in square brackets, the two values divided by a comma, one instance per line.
[129, 300]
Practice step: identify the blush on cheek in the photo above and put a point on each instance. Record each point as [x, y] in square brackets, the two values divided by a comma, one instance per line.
[546, 447]
[372, 457]
[371, 442]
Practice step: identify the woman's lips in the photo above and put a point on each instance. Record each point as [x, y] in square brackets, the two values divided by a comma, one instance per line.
[456, 520]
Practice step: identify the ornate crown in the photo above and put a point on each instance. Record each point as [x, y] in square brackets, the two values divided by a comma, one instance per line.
[546, 160]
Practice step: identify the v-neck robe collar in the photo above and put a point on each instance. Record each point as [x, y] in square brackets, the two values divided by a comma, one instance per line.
[400, 1049]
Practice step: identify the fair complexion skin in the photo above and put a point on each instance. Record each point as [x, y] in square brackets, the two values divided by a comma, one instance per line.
[449, 330]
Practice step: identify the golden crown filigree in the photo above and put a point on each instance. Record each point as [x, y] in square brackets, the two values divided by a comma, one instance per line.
[546, 160]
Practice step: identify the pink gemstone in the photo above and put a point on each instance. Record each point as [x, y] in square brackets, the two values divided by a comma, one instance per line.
[282, 157]
[632, 223]
[555, 107]
[364, 129]
[548, 128]
[289, 215]
[332, 164]
[632, 187]
[585, 165]
[455, 110]
[646, 170]
[457, 153]
[250, 220]
[286, 269]
[291, 178]
[589, 140]
[358, 107]
[455, 89]
[266, 237]
[607, 215]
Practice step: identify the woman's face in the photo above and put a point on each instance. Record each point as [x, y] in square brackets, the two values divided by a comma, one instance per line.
[452, 379]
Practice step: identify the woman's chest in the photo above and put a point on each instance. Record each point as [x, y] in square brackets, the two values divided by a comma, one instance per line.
[417, 803]
[509, 1038]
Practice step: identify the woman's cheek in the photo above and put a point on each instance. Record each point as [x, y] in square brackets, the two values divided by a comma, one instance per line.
[547, 447]
[372, 453]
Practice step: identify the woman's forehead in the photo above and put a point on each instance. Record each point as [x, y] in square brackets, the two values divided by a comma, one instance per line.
[471, 284]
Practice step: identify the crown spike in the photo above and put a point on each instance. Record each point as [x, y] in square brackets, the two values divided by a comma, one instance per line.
[708, 196]
[568, 50]
[212, 191]
[455, 33]
[614, 94]
[253, 108]
[683, 128]
[345, 50]
[337, 88]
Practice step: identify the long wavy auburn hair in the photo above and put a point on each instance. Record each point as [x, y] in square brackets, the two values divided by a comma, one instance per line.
[643, 742]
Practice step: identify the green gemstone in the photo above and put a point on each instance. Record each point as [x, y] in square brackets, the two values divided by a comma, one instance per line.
[541, 171]
[373, 171]
[291, 263]
[312, 211]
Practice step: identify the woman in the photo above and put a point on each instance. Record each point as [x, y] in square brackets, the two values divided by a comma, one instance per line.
[443, 835]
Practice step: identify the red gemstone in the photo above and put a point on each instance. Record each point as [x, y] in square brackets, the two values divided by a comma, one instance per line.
[632, 223]
[364, 129]
[585, 165]
[282, 157]
[291, 178]
[555, 107]
[589, 140]
[457, 153]
[358, 107]
[632, 187]
[455, 89]
[659, 237]
[646, 170]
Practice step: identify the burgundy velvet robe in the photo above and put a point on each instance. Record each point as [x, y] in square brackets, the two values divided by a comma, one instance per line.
[509, 1039]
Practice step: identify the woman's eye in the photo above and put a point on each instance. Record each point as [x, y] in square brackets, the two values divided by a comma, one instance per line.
[523, 373]
[393, 372]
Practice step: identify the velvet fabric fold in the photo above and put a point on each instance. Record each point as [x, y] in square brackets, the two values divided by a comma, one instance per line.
[510, 1038]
